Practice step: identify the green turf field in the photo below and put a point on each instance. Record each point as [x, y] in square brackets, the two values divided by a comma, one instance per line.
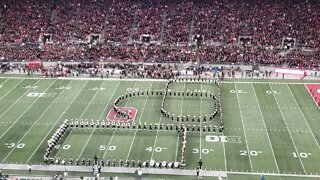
[269, 127]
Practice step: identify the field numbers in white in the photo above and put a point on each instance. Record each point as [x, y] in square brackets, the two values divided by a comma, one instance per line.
[272, 92]
[302, 155]
[110, 148]
[155, 149]
[251, 152]
[223, 139]
[238, 91]
[203, 151]
[132, 89]
[36, 94]
[97, 89]
[63, 87]
[14, 145]
[30, 87]
[65, 147]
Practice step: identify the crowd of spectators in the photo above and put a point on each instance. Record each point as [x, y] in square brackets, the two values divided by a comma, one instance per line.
[266, 23]
[149, 20]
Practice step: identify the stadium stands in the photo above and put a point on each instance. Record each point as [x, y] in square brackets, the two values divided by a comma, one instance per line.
[269, 29]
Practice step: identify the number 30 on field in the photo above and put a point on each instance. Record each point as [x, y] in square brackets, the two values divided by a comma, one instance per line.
[14, 145]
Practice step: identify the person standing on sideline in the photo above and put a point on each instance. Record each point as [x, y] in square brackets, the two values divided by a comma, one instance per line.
[198, 172]
[29, 168]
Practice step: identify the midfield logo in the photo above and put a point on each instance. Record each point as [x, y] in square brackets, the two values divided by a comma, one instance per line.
[229, 139]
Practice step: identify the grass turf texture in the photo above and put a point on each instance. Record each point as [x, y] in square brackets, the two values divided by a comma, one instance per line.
[277, 124]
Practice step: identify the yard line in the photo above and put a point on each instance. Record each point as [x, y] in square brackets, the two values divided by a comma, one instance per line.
[14, 122]
[295, 147]
[43, 113]
[135, 133]
[114, 131]
[176, 156]
[200, 142]
[244, 131]
[111, 97]
[294, 98]
[264, 123]
[17, 100]
[5, 82]
[45, 137]
[85, 109]
[10, 89]
[223, 143]
[311, 95]
[155, 141]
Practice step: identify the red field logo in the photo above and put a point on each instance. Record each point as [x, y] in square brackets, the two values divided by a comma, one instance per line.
[314, 90]
[113, 116]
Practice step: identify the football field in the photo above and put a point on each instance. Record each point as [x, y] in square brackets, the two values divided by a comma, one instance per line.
[269, 127]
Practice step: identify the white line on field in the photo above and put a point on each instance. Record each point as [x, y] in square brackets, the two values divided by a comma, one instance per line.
[245, 135]
[314, 100]
[135, 133]
[223, 144]
[294, 98]
[264, 123]
[46, 136]
[181, 111]
[295, 147]
[178, 133]
[10, 89]
[83, 112]
[111, 97]
[33, 124]
[200, 142]
[14, 122]
[114, 131]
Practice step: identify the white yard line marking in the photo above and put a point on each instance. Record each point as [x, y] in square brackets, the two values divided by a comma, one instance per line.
[111, 97]
[46, 136]
[42, 114]
[294, 98]
[135, 133]
[244, 131]
[155, 141]
[83, 112]
[295, 147]
[181, 111]
[200, 140]
[311, 96]
[12, 105]
[10, 89]
[14, 122]
[114, 131]
[264, 123]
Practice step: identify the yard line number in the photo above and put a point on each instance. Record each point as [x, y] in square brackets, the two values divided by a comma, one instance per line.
[65, 147]
[132, 89]
[155, 149]
[301, 154]
[250, 152]
[272, 92]
[36, 94]
[14, 145]
[105, 147]
[63, 88]
[203, 151]
[97, 89]
[30, 87]
[238, 91]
